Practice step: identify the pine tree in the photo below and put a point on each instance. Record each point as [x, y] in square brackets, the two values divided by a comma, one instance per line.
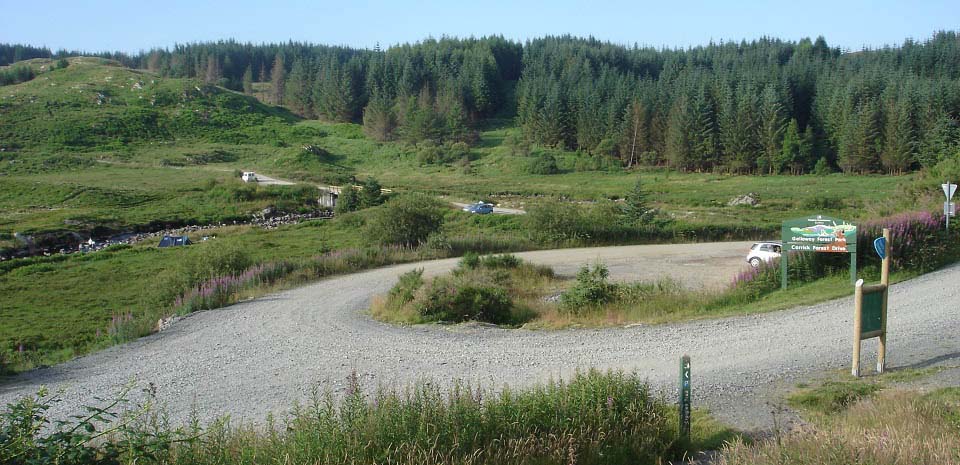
[635, 133]
[940, 141]
[635, 204]
[248, 80]
[859, 144]
[771, 129]
[213, 73]
[900, 147]
[704, 132]
[379, 118]
[298, 90]
[790, 150]
[278, 79]
[807, 144]
[679, 130]
[372, 193]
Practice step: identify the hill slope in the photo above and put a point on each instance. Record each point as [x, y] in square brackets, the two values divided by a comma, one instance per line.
[97, 104]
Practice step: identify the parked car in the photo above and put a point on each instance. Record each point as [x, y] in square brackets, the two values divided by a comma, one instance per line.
[480, 208]
[249, 176]
[763, 252]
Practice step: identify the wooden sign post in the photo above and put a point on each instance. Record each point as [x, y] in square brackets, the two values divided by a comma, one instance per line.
[870, 314]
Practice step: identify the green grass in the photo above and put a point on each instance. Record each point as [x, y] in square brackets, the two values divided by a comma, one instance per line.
[833, 396]
[592, 418]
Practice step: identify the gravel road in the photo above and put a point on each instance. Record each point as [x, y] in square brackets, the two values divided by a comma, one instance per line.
[268, 181]
[263, 355]
[496, 210]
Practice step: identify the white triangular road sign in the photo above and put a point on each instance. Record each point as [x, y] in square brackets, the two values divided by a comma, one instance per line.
[949, 189]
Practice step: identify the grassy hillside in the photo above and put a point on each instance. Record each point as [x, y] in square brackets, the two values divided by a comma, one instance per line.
[96, 148]
[96, 103]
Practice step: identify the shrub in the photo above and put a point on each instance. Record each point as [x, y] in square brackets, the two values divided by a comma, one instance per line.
[348, 201]
[822, 167]
[448, 299]
[591, 289]
[220, 259]
[472, 261]
[406, 221]
[406, 286]
[545, 164]
[825, 202]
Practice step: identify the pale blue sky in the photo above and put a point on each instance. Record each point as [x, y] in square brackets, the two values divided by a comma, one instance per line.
[134, 25]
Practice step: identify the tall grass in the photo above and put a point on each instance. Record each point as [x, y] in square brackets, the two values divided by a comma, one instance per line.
[891, 428]
[595, 418]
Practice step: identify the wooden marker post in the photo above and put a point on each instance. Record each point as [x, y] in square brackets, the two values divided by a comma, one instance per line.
[870, 314]
[685, 397]
[885, 282]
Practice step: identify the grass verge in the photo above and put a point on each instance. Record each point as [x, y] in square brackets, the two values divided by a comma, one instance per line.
[857, 421]
[594, 418]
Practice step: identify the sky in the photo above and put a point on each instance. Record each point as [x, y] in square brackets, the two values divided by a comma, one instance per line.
[131, 26]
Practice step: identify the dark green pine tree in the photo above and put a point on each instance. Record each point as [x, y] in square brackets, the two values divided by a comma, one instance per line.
[704, 132]
[379, 118]
[940, 141]
[900, 147]
[248, 80]
[860, 142]
[636, 207]
[372, 193]
[790, 155]
[770, 128]
[298, 90]
[278, 80]
[679, 131]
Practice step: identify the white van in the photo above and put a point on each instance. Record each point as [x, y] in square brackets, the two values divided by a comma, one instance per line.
[249, 176]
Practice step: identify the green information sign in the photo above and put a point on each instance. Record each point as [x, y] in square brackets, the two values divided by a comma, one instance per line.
[871, 318]
[821, 234]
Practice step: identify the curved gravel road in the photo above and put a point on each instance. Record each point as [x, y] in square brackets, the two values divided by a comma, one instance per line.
[264, 355]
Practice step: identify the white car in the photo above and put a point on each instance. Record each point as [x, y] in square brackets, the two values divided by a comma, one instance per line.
[249, 176]
[763, 252]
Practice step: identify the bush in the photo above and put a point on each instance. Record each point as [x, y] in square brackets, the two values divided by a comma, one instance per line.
[472, 261]
[546, 164]
[591, 290]
[221, 259]
[406, 221]
[825, 202]
[409, 283]
[452, 300]
[822, 167]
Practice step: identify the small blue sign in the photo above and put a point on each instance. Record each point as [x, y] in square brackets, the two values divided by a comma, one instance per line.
[880, 245]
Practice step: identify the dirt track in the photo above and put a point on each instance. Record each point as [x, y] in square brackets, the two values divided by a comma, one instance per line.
[262, 356]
